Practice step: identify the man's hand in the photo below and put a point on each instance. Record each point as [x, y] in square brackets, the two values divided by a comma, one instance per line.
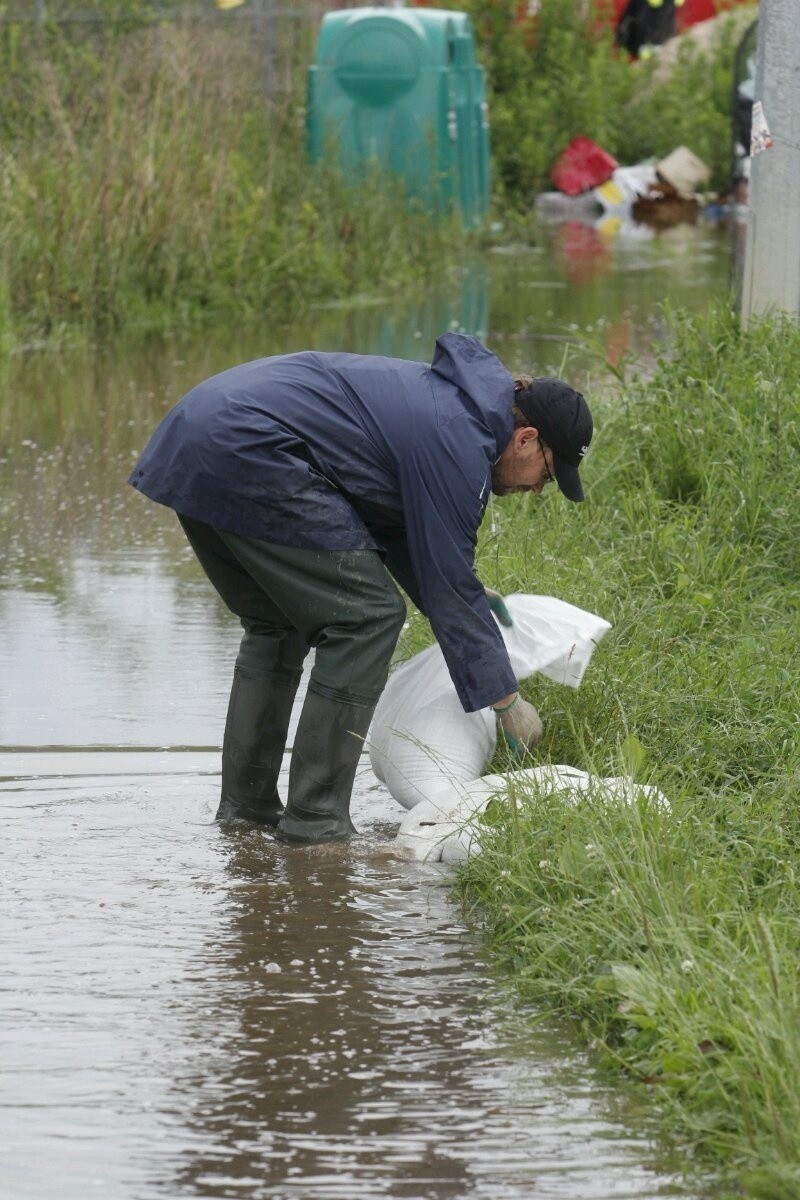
[521, 725]
[498, 606]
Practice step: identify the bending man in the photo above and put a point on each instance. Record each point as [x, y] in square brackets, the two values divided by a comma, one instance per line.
[307, 484]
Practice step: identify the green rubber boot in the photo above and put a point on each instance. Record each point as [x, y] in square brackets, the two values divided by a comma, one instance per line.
[252, 749]
[327, 747]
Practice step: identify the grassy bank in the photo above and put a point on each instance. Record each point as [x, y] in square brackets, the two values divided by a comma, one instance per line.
[147, 181]
[674, 934]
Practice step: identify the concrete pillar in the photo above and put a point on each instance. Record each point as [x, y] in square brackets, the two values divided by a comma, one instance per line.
[771, 279]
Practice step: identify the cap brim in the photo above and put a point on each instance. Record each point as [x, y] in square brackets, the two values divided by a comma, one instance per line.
[568, 480]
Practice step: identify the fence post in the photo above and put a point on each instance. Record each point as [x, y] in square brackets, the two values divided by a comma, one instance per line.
[270, 34]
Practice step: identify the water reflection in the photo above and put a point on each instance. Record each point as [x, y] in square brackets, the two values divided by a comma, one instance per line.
[351, 1037]
[583, 281]
[187, 1012]
[118, 651]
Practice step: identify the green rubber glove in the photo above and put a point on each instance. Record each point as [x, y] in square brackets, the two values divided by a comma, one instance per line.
[498, 606]
[512, 744]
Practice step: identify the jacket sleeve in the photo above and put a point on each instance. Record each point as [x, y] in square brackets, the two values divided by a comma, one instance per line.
[444, 484]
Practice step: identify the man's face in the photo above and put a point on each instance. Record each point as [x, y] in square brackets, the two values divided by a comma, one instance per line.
[525, 465]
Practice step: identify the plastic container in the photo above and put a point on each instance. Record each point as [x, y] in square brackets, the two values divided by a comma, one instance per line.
[401, 89]
[684, 171]
[583, 165]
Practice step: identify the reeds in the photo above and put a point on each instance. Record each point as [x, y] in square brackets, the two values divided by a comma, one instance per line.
[147, 180]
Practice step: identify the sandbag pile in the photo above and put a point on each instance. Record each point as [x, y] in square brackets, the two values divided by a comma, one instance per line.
[443, 828]
[420, 735]
[431, 755]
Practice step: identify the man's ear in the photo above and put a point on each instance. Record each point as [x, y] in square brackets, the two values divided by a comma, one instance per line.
[526, 434]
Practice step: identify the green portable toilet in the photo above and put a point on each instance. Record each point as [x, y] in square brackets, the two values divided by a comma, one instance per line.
[401, 88]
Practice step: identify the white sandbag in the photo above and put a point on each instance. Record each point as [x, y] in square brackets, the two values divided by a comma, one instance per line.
[420, 735]
[552, 637]
[443, 829]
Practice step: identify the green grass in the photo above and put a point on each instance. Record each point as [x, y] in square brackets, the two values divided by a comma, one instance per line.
[674, 934]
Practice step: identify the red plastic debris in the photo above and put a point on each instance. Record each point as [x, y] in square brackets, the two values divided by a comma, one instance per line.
[583, 166]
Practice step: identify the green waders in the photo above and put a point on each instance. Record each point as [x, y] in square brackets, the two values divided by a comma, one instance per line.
[343, 603]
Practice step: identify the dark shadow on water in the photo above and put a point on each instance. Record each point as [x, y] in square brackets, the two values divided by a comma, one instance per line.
[350, 1044]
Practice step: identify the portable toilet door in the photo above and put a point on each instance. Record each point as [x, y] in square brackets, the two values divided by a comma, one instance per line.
[401, 89]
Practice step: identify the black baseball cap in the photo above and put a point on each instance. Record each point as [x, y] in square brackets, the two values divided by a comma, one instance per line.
[562, 417]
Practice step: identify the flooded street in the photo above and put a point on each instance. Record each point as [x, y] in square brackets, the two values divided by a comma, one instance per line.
[193, 1012]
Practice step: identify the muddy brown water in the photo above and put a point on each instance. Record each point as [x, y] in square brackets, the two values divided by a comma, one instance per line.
[190, 1012]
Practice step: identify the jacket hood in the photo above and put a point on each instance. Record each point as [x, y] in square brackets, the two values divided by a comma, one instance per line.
[465, 362]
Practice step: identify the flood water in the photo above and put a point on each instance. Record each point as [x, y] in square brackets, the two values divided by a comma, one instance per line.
[190, 1012]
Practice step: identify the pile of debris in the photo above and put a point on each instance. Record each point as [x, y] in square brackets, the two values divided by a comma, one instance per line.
[592, 183]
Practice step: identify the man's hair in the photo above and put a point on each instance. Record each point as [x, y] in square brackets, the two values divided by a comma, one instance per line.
[521, 384]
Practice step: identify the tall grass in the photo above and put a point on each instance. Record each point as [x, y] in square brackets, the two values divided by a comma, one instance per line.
[145, 179]
[675, 933]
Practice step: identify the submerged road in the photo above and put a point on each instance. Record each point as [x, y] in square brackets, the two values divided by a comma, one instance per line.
[192, 1012]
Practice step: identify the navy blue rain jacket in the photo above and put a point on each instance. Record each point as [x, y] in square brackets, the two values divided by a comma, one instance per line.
[355, 452]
